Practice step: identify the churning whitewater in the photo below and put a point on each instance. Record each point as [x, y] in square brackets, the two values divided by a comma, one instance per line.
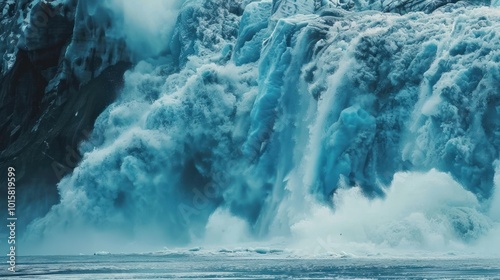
[319, 127]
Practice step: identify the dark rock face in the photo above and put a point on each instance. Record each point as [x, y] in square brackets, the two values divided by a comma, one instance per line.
[49, 26]
[46, 109]
[38, 56]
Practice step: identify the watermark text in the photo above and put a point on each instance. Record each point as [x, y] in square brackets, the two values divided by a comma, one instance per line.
[11, 219]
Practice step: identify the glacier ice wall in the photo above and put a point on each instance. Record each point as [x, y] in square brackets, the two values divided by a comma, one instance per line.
[107, 32]
[103, 33]
[264, 111]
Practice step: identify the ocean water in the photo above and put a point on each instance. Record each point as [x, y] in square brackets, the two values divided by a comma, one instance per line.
[219, 266]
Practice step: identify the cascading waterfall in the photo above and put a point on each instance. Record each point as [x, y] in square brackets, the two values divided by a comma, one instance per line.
[361, 129]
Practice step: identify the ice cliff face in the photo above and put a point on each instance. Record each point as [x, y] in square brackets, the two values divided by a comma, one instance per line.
[391, 95]
[62, 63]
[261, 111]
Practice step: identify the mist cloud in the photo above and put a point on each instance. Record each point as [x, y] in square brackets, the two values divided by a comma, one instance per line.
[146, 25]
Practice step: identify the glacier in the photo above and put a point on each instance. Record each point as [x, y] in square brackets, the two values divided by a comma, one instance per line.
[363, 124]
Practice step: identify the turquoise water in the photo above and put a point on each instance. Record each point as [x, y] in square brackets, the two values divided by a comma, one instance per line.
[151, 266]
